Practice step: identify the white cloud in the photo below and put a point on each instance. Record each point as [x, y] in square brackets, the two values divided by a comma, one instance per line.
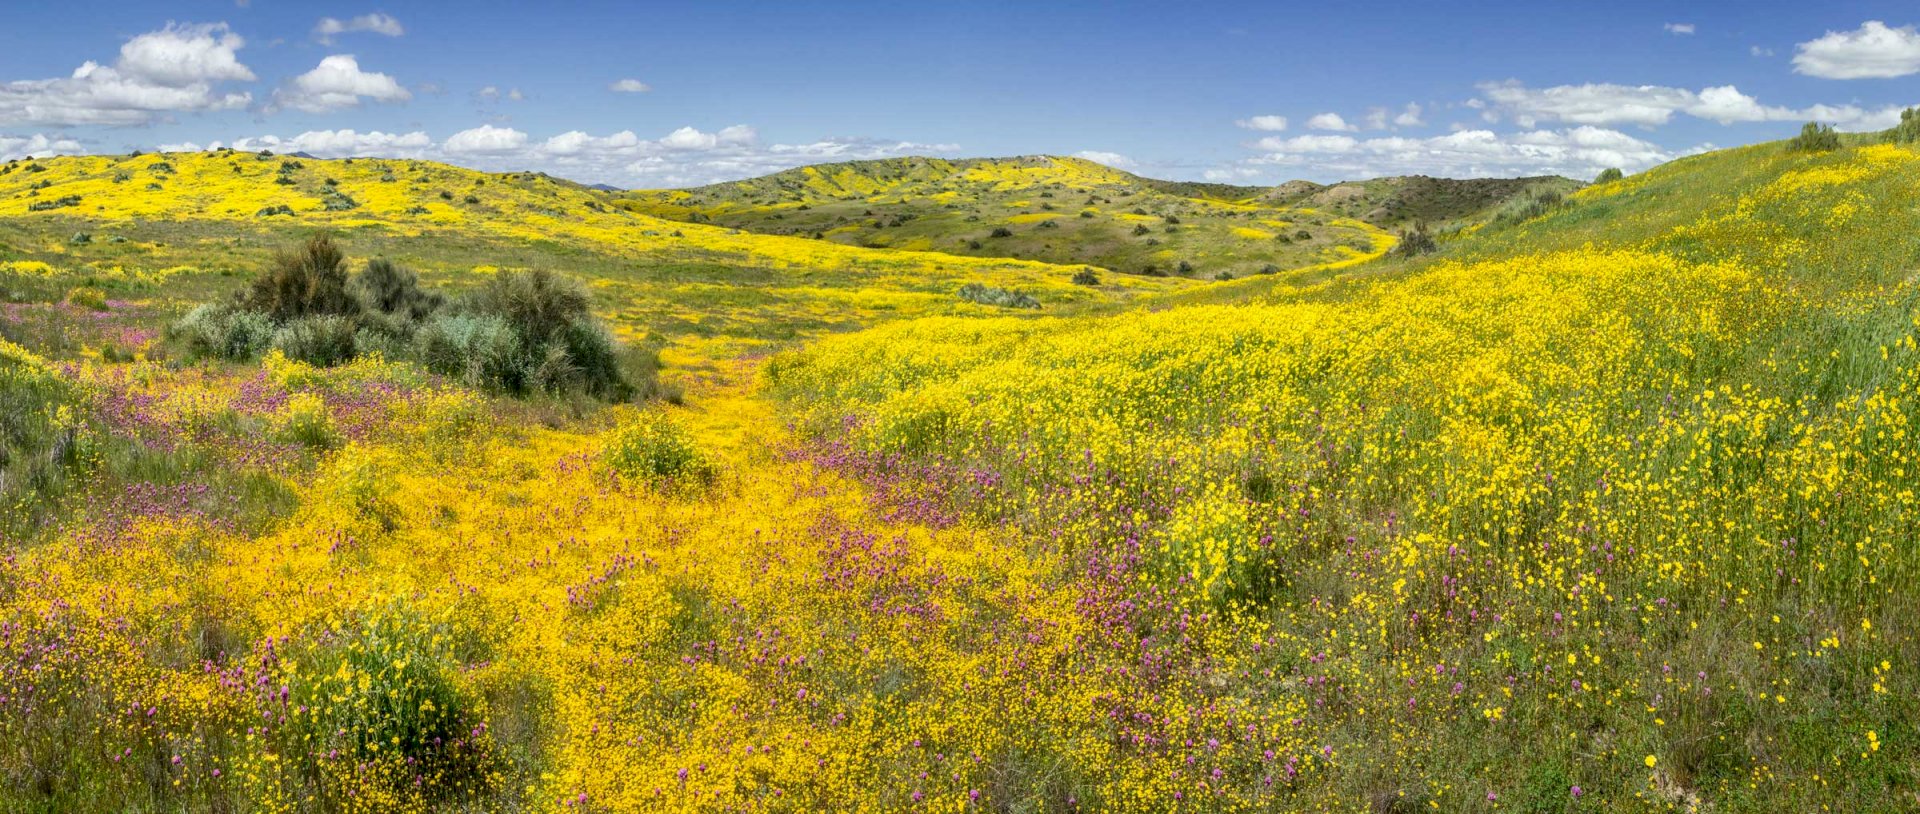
[1578, 152]
[329, 27]
[684, 157]
[485, 139]
[38, 144]
[159, 72]
[1329, 121]
[1760, 52]
[1653, 105]
[1872, 51]
[1267, 123]
[1104, 157]
[629, 86]
[342, 144]
[335, 84]
[1679, 29]
[1409, 116]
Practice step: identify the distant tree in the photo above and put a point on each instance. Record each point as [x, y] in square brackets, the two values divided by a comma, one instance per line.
[1815, 138]
[1001, 231]
[1908, 130]
[1609, 175]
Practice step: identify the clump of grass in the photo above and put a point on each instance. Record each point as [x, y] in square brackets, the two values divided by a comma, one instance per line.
[376, 699]
[652, 448]
[88, 297]
[1086, 276]
[304, 420]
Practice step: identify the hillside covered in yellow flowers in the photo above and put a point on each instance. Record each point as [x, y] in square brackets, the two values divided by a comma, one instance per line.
[1607, 503]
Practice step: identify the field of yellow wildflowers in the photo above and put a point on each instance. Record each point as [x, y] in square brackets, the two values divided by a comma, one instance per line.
[1608, 510]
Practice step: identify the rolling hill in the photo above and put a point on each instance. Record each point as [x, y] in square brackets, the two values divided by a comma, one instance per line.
[1049, 208]
[1071, 210]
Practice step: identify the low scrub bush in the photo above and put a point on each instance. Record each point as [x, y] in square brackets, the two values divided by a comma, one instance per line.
[223, 331]
[322, 340]
[1000, 297]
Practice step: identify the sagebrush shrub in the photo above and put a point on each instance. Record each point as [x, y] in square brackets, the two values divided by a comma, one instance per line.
[322, 340]
[224, 332]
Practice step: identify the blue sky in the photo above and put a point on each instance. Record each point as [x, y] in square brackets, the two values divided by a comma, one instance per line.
[644, 94]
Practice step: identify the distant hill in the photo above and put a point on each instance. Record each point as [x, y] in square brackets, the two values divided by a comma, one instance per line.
[1050, 208]
[1071, 210]
[1407, 199]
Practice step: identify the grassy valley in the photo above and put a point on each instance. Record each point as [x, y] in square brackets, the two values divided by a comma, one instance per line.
[1068, 211]
[1605, 503]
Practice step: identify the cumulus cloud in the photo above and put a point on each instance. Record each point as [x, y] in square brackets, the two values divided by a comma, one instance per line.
[342, 144]
[335, 84]
[171, 70]
[1679, 29]
[1653, 105]
[684, 157]
[38, 144]
[1577, 152]
[329, 27]
[629, 86]
[1104, 157]
[1409, 116]
[1329, 121]
[1872, 51]
[1267, 123]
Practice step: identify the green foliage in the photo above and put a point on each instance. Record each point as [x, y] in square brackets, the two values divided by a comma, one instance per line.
[1415, 242]
[61, 202]
[224, 332]
[479, 350]
[389, 289]
[1908, 130]
[652, 448]
[322, 340]
[383, 689]
[311, 279]
[88, 297]
[1086, 276]
[1815, 138]
[999, 297]
[1608, 176]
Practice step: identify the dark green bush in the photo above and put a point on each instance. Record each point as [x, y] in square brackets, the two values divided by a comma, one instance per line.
[386, 288]
[1415, 242]
[1086, 276]
[1815, 138]
[309, 280]
[1609, 175]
